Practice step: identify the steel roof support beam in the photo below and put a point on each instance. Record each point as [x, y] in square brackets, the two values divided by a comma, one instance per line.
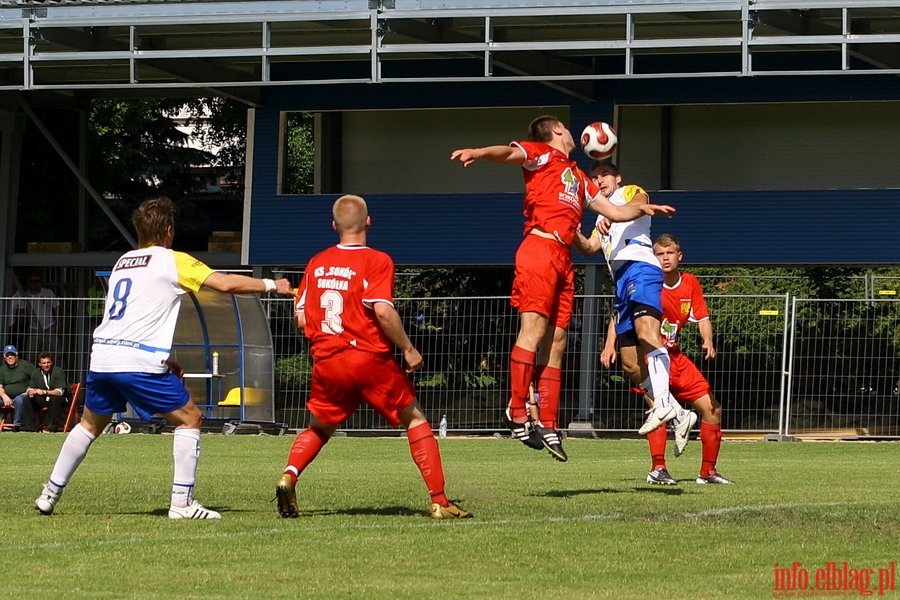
[79, 174]
[799, 23]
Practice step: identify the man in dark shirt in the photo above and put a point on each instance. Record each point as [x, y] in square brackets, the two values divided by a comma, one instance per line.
[15, 377]
[48, 389]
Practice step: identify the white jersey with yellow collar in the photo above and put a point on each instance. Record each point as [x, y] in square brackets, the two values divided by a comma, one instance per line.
[628, 241]
[141, 309]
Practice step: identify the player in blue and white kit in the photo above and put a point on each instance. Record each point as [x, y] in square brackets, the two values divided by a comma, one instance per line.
[130, 353]
[639, 280]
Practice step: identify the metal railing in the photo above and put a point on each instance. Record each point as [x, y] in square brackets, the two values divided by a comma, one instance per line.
[785, 365]
[844, 374]
[466, 343]
[107, 45]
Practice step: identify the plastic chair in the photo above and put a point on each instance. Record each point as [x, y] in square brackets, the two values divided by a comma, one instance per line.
[252, 396]
[71, 415]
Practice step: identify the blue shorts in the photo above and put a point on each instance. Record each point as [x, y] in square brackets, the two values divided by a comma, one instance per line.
[148, 393]
[636, 283]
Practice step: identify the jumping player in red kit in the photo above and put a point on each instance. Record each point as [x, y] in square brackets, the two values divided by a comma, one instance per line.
[345, 307]
[556, 190]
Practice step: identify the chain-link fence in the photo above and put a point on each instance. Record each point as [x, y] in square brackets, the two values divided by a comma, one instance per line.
[885, 287]
[783, 366]
[61, 326]
[466, 343]
[844, 374]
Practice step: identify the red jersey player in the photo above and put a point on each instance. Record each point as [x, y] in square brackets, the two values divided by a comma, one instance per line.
[556, 190]
[682, 302]
[345, 306]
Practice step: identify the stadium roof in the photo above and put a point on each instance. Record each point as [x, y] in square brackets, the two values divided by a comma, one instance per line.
[52, 2]
[71, 49]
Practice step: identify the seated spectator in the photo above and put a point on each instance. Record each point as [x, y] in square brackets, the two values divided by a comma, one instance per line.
[15, 376]
[48, 389]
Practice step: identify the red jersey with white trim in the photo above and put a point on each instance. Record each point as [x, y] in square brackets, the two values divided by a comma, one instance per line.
[556, 190]
[681, 304]
[338, 293]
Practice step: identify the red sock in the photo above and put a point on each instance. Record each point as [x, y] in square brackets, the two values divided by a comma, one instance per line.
[305, 449]
[657, 440]
[711, 438]
[521, 372]
[427, 456]
[549, 384]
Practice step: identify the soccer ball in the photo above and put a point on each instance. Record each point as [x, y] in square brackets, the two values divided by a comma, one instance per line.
[123, 428]
[598, 140]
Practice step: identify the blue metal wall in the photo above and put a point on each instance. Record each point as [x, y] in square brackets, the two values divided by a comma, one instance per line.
[821, 228]
[752, 227]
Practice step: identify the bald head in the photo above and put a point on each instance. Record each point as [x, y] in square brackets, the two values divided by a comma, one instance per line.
[350, 214]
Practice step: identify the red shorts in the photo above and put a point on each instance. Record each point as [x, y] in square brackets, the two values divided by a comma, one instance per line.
[686, 382]
[340, 383]
[545, 280]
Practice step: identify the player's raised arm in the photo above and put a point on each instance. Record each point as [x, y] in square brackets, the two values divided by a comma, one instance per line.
[658, 209]
[494, 154]
[234, 283]
[638, 207]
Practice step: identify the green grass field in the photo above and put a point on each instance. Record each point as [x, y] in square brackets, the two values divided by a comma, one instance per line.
[590, 528]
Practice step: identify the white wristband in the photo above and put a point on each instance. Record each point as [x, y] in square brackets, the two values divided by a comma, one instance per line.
[270, 285]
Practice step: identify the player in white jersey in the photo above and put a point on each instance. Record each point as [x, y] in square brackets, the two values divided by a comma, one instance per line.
[130, 354]
[638, 278]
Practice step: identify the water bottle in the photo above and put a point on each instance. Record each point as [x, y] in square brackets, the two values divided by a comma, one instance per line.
[442, 428]
[215, 365]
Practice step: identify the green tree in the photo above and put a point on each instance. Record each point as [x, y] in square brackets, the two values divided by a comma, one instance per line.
[220, 124]
[136, 148]
[300, 162]
[136, 151]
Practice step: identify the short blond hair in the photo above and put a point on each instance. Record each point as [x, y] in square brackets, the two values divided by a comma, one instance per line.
[667, 239]
[350, 213]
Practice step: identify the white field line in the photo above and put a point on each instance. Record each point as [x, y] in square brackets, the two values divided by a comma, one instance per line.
[716, 512]
[423, 524]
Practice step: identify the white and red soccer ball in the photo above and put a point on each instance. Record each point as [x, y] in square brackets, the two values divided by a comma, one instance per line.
[122, 428]
[598, 140]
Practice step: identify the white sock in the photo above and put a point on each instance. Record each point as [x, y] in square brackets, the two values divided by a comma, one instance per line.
[186, 450]
[658, 369]
[73, 451]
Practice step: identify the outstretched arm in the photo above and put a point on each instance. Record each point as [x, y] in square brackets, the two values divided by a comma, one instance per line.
[638, 207]
[494, 154]
[233, 283]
